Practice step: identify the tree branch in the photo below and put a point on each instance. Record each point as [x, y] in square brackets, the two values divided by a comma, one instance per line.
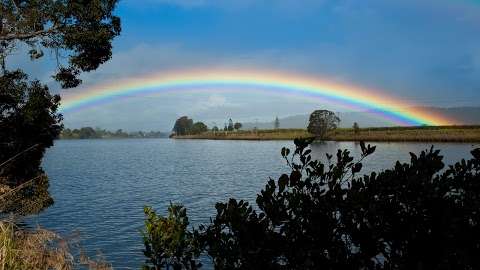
[26, 36]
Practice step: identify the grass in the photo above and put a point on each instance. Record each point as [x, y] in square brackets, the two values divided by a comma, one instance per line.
[266, 134]
[21, 249]
[412, 134]
[380, 134]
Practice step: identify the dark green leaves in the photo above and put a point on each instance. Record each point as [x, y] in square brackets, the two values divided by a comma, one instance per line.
[79, 33]
[325, 217]
[476, 153]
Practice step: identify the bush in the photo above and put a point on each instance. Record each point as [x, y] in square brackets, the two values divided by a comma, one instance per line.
[167, 241]
[417, 215]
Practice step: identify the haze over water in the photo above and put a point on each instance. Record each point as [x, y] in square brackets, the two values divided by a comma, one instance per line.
[101, 186]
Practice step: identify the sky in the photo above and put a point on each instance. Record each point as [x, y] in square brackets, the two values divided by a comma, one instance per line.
[425, 52]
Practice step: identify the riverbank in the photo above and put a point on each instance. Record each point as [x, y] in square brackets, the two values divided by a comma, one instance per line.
[383, 134]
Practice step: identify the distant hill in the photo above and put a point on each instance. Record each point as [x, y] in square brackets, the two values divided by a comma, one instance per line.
[464, 115]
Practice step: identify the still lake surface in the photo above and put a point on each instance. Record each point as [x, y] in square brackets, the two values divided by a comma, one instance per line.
[101, 186]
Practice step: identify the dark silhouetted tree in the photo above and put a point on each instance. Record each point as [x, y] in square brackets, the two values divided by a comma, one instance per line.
[321, 122]
[28, 120]
[198, 128]
[276, 123]
[183, 126]
[356, 128]
[230, 125]
[237, 125]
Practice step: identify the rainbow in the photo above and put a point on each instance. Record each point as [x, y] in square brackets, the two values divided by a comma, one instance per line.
[376, 102]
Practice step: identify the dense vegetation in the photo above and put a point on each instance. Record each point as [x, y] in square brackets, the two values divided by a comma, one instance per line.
[185, 126]
[28, 124]
[417, 215]
[98, 133]
[78, 32]
[80, 35]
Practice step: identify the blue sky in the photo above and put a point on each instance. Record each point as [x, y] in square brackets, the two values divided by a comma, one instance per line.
[423, 51]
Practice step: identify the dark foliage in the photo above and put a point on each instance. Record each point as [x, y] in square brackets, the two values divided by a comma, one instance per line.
[356, 128]
[237, 125]
[78, 30]
[29, 122]
[199, 127]
[185, 126]
[230, 126]
[276, 123]
[417, 215]
[321, 122]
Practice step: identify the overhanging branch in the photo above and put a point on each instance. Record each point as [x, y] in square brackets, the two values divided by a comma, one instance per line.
[26, 36]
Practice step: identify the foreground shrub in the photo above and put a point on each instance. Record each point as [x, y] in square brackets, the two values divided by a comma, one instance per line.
[167, 241]
[417, 215]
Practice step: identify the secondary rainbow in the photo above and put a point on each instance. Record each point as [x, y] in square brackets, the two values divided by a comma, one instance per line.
[387, 107]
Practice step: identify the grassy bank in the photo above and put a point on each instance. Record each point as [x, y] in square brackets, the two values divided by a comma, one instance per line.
[267, 134]
[384, 134]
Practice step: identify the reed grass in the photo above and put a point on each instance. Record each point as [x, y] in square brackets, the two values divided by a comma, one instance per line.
[41, 249]
[38, 249]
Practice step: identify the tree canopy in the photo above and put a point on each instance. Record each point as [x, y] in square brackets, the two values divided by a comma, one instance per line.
[321, 122]
[183, 125]
[186, 126]
[76, 30]
[237, 125]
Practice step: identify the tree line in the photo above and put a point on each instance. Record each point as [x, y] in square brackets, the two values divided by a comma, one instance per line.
[185, 126]
[98, 133]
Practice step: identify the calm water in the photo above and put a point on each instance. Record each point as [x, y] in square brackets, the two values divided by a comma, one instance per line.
[101, 186]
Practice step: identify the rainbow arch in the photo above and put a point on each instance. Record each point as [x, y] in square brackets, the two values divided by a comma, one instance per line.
[387, 107]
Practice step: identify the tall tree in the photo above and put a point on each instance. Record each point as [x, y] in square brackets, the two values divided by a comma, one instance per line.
[183, 126]
[321, 122]
[276, 123]
[356, 128]
[230, 124]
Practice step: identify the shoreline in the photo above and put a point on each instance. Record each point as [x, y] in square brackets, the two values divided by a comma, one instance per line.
[459, 134]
